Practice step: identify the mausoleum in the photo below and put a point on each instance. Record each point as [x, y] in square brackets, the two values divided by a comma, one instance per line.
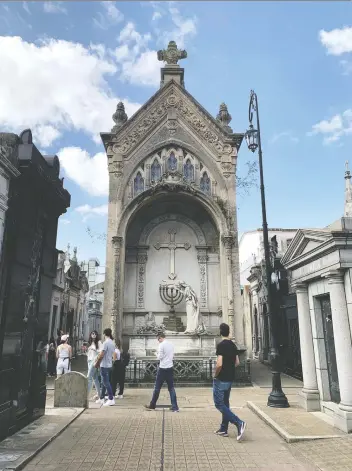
[172, 242]
[320, 261]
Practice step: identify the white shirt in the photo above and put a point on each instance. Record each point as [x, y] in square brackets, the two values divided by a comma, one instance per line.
[166, 354]
[118, 354]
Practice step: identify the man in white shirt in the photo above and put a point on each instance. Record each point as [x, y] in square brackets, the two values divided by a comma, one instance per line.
[165, 373]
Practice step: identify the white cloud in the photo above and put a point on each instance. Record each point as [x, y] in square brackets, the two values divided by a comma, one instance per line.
[337, 41]
[45, 134]
[184, 27]
[287, 135]
[333, 129]
[55, 85]
[156, 15]
[90, 173]
[110, 16]
[346, 67]
[139, 64]
[88, 211]
[64, 221]
[54, 7]
[26, 7]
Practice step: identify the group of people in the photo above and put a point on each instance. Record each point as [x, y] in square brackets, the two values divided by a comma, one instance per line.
[107, 364]
[107, 368]
[224, 375]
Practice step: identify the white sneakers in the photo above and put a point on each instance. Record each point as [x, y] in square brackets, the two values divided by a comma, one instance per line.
[120, 396]
[99, 401]
[109, 402]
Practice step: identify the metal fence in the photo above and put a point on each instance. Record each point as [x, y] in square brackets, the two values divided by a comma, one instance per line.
[185, 371]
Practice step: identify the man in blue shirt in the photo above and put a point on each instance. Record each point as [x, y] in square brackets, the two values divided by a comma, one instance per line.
[104, 361]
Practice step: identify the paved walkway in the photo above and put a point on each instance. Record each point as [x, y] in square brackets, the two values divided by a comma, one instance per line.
[128, 438]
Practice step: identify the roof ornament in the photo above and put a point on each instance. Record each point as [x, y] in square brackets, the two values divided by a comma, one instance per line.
[171, 55]
[119, 117]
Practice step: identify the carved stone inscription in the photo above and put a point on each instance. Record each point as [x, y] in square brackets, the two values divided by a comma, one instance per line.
[202, 260]
[142, 258]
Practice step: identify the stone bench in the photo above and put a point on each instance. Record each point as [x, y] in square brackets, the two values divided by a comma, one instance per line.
[71, 390]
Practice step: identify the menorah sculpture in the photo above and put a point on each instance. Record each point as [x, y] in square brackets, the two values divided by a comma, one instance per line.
[170, 295]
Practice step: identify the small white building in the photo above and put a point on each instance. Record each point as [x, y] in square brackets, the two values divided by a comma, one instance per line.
[251, 248]
[320, 261]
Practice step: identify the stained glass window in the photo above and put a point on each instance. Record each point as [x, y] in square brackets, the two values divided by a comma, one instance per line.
[172, 163]
[205, 183]
[188, 170]
[155, 171]
[138, 184]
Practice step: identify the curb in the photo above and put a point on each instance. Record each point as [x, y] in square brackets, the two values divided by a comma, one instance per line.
[26, 460]
[280, 431]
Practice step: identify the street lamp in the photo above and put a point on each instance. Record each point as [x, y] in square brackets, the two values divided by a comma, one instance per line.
[277, 397]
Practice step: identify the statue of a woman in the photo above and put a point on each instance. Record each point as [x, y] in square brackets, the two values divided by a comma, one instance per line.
[194, 320]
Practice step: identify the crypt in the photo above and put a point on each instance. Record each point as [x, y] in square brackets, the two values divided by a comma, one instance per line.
[172, 222]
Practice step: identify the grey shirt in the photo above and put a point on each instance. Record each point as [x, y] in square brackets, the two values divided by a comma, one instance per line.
[108, 348]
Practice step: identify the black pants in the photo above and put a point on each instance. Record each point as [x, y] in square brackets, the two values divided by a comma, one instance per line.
[118, 374]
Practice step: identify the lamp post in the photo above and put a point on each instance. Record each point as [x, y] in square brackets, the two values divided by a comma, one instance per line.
[276, 397]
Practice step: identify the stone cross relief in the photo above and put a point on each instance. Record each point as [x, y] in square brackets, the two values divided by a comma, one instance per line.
[172, 246]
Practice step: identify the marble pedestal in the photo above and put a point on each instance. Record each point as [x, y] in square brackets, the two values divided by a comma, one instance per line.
[185, 345]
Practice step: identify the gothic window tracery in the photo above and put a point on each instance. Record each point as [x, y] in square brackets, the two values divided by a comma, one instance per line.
[205, 184]
[172, 163]
[138, 184]
[155, 171]
[188, 170]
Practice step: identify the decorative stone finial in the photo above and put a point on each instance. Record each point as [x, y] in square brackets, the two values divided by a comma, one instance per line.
[74, 258]
[348, 192]
[224, 117]
[119, 117]
[171, 55]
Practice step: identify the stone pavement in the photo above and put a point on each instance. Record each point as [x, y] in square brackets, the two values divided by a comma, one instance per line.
[18, 449]
[128, 438]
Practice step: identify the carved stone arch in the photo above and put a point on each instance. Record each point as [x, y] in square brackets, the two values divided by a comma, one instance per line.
[143, 240]
[203, 156]
[204, 200]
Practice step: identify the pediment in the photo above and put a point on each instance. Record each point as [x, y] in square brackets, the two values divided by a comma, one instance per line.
[304, 242]
[170, 105]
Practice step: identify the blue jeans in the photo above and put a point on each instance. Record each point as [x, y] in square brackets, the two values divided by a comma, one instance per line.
[164, 374]
[105, 378]
[221, 395]
[93, 375]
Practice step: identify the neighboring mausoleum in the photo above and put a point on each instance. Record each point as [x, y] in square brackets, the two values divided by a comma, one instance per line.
[320, 261]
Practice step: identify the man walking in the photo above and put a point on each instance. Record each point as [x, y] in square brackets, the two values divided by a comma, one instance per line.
[227, 360]
[165, 373]
[104, 360]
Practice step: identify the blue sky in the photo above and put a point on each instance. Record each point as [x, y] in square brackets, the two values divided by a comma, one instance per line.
[65, 65]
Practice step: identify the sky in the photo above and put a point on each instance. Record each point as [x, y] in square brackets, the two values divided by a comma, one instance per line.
[66, 65]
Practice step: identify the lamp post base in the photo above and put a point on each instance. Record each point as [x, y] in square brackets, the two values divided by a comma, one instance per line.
[277, 397]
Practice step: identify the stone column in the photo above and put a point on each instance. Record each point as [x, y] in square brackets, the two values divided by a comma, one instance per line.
[228, 241]
[117, 302]
[309, 396]
[343, 347]
[202, 260]
[142, 258]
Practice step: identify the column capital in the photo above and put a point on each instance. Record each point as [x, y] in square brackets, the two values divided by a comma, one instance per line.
[335, 277]
[300, 287]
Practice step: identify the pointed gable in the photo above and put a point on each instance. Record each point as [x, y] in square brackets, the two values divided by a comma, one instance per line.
[305, 241]
[168, 105]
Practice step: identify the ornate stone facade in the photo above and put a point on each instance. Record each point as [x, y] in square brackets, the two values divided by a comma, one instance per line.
[172, 186]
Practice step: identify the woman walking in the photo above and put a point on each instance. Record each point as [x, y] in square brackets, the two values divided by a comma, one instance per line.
[119, 371]
[64, 356]
[51, 357]
[94, 347]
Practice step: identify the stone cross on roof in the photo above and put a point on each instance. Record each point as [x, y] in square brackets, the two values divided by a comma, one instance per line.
[171, 55]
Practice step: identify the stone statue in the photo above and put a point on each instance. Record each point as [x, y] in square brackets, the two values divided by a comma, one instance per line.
[194, 320]
[171, 55]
